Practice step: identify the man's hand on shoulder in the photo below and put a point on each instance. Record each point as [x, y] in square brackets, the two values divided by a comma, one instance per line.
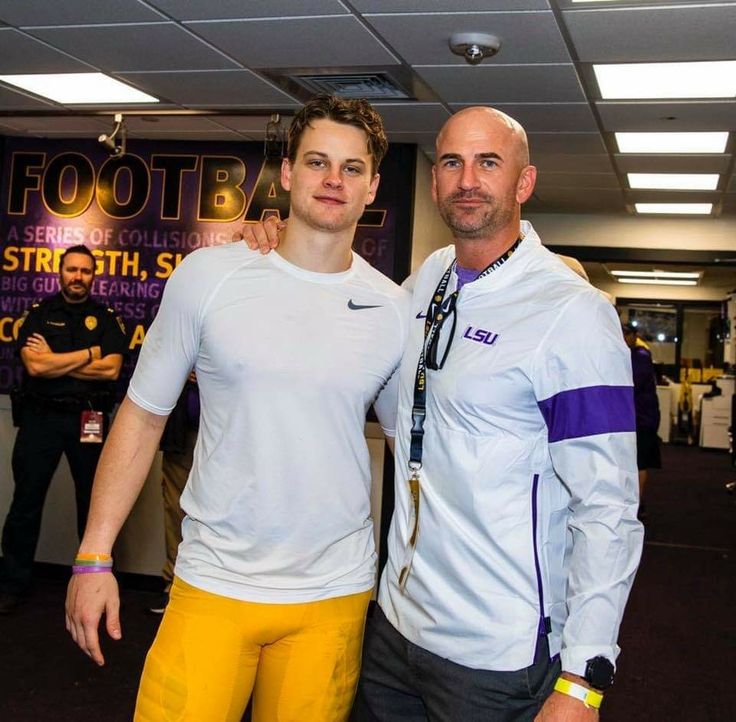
[261, 236]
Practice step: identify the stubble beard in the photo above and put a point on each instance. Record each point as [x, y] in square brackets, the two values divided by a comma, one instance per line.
[481, 222]
[75, 295]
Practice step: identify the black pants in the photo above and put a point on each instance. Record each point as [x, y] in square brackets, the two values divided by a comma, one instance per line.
[43, 435]
[401, 682]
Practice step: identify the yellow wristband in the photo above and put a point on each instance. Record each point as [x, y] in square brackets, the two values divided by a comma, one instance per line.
[589, 697]
[92, 557]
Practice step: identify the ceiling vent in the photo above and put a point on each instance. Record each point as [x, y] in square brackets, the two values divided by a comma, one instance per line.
[371, 86]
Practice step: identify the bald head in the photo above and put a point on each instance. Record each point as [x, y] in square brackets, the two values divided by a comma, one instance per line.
[511, 133]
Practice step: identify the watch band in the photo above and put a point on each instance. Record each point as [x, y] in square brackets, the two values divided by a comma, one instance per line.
[589, 697]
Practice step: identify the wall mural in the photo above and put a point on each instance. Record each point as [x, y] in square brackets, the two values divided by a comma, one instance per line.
[142, 213]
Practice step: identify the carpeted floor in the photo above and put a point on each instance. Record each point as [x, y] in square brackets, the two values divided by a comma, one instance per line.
[678, 637]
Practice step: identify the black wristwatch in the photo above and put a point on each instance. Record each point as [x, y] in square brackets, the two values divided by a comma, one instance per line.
[599, 673]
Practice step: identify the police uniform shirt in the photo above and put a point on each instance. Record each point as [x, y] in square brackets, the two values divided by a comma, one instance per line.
[71, 327]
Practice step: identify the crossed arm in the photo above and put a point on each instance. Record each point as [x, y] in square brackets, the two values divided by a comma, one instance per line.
[89, 364]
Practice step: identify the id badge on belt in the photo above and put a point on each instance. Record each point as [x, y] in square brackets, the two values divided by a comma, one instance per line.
[90, 427]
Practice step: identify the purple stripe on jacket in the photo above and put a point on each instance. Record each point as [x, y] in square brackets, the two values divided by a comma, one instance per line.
[589, 411]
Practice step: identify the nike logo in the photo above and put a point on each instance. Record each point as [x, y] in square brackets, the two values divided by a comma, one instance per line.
[358, 307]
[421, 315]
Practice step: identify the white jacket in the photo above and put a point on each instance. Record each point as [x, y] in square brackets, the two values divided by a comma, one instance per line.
[529, 483]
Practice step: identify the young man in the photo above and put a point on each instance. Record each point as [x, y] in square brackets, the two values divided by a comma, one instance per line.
[275, 570]
[72, 350]
[514, 541]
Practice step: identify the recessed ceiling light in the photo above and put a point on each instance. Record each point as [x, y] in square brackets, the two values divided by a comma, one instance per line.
[659, 281]
[674, 181]
[656, 274]
[692, 209]
[672, 142]
[78, 88]
[710, 79]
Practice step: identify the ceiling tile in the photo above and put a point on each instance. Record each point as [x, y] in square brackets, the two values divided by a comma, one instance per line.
[10, 100]
[237, 9]
[672, 163]
[268, 44]
[216, 134]
[121, 48]
[21, 54]
[551, 179]
[569, 143]
[652, 196]
[547, 117]
[210, 88]
[412, 137]
[414, 117]
[489, 84]
[74, 12]
[166, 123]
[667, 116]
[732, 185]
[423, 39]
[254, 125]
[441, 6]
[81, 125]
[728, 205]
[666, 33]
[574, 199]
[568, 163]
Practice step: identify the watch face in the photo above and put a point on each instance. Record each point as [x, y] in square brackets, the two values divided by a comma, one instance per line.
[599, 673]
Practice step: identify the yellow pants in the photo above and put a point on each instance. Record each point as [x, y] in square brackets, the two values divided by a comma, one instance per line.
[299, 661]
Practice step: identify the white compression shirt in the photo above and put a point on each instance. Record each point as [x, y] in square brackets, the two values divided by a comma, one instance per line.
[288, 362]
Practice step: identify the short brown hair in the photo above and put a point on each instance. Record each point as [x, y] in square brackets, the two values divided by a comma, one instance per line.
[83, 250]
[358, 113]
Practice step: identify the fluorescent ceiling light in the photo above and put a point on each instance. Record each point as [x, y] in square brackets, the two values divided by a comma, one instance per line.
[659, 281]
[690, 209]
[712, 79]
[656, 274]
[672, 142]
[78, 88]
[674, 181]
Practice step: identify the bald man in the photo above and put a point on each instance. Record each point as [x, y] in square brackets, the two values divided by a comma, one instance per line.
[514, 541]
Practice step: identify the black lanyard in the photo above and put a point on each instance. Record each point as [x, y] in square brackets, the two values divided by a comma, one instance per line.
[439, 310]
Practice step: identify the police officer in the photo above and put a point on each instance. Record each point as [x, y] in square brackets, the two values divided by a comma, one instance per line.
[72, 351]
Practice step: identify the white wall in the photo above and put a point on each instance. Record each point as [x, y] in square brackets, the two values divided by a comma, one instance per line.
[430, 231]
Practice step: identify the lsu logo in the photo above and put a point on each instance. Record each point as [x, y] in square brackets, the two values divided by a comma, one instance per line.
[480, 335]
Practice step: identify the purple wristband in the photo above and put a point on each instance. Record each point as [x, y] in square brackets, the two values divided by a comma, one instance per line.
[79, 569]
